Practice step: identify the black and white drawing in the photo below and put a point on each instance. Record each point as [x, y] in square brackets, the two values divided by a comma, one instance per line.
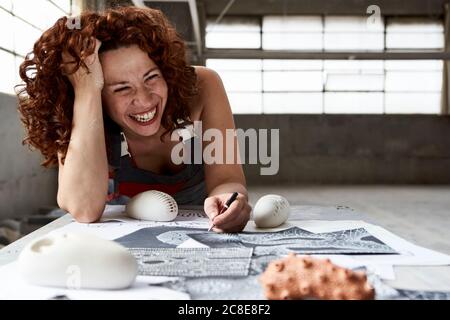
[193, 262]
[355, 241]
[158, 237]
[423, 295]
[266, 246]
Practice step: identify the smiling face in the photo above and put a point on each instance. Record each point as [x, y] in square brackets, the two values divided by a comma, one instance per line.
[135, 92]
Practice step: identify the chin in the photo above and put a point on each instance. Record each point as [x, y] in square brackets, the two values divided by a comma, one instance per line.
[145, 131]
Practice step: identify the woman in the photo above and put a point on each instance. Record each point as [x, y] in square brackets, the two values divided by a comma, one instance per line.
[103, 103]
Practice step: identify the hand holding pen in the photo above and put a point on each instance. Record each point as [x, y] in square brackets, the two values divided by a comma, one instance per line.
[226, 206]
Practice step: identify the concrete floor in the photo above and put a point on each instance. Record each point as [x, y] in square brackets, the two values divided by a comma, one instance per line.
[420, 214]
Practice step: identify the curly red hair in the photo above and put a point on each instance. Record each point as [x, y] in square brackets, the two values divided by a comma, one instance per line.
[46, 97]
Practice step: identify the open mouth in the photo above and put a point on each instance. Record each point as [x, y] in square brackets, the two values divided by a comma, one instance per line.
[144, 117]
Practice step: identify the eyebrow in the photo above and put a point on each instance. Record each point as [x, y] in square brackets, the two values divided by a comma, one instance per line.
[125, 82]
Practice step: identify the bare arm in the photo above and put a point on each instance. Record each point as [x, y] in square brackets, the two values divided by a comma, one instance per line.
[83, 179]
[222, 179]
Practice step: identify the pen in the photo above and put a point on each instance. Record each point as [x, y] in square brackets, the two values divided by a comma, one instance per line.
[226, 206]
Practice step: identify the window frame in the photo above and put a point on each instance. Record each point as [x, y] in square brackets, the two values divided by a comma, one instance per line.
[386, 54]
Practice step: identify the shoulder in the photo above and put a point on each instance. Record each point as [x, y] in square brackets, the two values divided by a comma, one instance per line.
[209, 86]
[206, 74]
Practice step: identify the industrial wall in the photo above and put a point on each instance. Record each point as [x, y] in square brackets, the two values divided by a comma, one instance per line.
[314, 149]
[25, 186]
[356, 148]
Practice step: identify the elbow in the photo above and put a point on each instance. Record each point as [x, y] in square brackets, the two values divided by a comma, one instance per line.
[81, 211]
[87, 215]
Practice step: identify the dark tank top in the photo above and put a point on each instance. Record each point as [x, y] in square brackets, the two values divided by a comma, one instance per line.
[126, 180]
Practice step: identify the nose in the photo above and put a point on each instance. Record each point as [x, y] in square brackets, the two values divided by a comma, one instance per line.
[144, 97]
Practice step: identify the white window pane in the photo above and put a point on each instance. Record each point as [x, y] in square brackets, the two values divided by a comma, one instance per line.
[353, 102]
[292, 23]
[354, 41]
[290, 65]
[414, 41]
[352, 23]
[353, 33]
[24, 36]
[408, 25]
[63, 4]
[245, 102]
[231, 24]
[361, 66]
[234, 64]
[7, 77]
[292, 33]
[414, 65]
[18, 61]
[233, 33]
[354, 82]
[293, 81]
[6, 36]
[40, 13]
[241, 80]
[422, 81]
[246, 40]
[6, 4]
[292, 41]
[414, 33]
[411, 102]
[293, 102]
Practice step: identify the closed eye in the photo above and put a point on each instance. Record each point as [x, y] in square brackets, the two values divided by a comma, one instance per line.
[152, 77]
[121, 89]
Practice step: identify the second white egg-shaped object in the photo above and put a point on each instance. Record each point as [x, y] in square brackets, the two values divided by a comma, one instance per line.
[271, 211]
[152, 205]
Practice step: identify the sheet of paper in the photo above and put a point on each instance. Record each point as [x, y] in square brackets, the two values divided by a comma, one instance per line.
[410, 254]
[384, 271]
[114, 224]
[145, 288]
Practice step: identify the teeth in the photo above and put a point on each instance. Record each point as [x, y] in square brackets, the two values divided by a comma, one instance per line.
[144, 117]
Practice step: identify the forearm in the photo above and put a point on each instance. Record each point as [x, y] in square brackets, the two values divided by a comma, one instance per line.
[229, 187]
[84, 179]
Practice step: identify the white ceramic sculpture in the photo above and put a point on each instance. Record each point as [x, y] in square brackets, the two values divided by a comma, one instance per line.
[152, 205]
[77, 261]
[271, 211]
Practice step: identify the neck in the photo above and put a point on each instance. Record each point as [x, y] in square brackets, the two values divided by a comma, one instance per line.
[139, 143]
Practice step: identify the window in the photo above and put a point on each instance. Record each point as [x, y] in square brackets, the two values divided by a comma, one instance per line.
[327, 85]
[22, 22]
[243, 83]
[294, 33]
[240, 33]
[408, 33]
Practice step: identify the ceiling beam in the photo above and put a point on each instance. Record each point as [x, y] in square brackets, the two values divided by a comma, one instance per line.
[311, 55]
[338, 7]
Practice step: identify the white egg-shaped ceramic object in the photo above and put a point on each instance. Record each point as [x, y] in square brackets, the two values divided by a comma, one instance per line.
[271, 211]
[152, 205]
[77, 261]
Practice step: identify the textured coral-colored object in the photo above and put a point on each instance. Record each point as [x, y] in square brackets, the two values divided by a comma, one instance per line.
[296, 277]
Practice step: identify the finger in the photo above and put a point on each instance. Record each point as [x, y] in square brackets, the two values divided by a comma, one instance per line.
[211, 207]
[229, 214]
[233, 220]
[67, 58]
[230, 223]
[67, 63]
[91, 58]
[98, 43]
[237, 224]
